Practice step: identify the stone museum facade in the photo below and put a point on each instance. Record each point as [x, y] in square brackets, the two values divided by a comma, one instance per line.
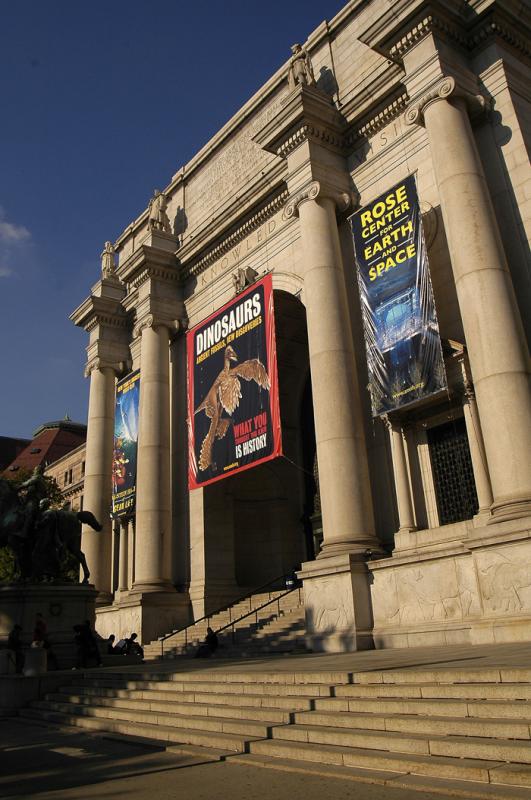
[408, 528]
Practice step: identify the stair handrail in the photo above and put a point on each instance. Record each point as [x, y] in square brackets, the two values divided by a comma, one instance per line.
[246, 596]
[259, 608]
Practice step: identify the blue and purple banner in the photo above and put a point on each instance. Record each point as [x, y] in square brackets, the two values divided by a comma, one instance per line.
[404, 353]
[125, 445]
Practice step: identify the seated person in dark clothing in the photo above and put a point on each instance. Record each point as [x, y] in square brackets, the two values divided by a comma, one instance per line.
[132, 647]
[111, 650]
[209, 646]
[211, 640]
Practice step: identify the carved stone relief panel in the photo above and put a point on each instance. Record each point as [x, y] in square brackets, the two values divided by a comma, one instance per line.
[328, 603]
[504, 575]
[384, 594]
[435, 591]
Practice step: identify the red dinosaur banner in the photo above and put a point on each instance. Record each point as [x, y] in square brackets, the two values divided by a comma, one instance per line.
[233, 410]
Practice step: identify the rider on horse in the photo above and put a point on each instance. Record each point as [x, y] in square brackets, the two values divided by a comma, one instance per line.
[36, 490]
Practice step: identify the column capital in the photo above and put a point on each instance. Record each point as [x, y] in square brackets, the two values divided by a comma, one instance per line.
[316, 190]
[443, 89]
[101, 363]
[157, 321]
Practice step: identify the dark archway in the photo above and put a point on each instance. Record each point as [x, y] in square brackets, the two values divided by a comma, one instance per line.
[265, 507]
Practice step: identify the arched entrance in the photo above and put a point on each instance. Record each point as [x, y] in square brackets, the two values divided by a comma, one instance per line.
[256, 522]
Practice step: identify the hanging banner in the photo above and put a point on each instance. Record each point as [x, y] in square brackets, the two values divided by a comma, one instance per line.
[125, 445]
[404, 353]
[233, 410]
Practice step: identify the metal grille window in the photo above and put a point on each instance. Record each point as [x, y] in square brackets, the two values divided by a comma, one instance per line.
[455, 488]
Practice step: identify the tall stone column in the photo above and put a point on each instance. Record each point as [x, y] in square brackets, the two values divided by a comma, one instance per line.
[97, 546]
[348, 525]
[130, 552]
[494, 336]
[336, 585]
[406, 516]
[309, 133]
[123, 557]
[477, 450]
[153, 518]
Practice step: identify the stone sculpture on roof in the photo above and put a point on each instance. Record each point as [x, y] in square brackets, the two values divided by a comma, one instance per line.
[107, 261]
[158, 219]
[300, 68]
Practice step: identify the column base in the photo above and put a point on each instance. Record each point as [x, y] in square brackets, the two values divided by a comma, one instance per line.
[337, 603]
[151, 586]
[361, 551]
[512, 508]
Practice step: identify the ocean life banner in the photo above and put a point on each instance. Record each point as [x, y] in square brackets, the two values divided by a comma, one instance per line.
[233, 407]
[125, 445]
[404, 353]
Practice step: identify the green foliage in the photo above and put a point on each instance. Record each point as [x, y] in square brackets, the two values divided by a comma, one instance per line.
[8, 569]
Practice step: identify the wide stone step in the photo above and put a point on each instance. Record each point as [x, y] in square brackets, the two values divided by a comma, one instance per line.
[436, 766]
[451, 676]
[291, 703]
[413, 723]
[272, 716]
[227, 741]
[344, 737]
[477, 691]
[402, 780]
[189, 720]
[497, 709]
[421, 744]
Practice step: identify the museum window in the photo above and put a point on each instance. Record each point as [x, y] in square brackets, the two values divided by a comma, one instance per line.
[455, 489]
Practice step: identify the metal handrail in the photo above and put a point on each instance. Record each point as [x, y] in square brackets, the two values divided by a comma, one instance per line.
[259, 608]
[228, 608]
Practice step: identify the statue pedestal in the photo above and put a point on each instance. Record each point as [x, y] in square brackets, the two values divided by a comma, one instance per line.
[62, 607]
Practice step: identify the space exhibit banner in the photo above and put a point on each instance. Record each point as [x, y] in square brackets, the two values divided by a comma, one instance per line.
[233, 406]
[404, 353]
[125, 445]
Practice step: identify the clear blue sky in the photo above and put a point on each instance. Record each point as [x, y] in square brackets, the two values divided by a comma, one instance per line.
[101, 102]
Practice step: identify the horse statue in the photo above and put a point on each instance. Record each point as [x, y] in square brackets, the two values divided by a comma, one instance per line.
[59, 530]
[38, 546]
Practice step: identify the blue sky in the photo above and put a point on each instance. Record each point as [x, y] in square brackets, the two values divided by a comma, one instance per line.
[102, 102]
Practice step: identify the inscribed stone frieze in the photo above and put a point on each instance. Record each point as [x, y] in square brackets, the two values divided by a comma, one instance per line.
[229, 170]
[236, 255]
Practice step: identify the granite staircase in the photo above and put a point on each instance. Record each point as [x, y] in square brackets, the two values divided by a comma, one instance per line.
[267, 622]
[461, 731]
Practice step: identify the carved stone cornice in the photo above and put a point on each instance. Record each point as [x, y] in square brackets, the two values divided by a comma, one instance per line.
[149, 262]
[254, 222]
[152, 272]
[311, 132]
[390, 112]
[344, 201]
[493, 28]
[444, 88]
[429, 24]
[96, 311]
[463, 24]
[306, 115]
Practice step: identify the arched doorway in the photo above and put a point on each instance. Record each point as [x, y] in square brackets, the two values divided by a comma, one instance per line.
[255, 523]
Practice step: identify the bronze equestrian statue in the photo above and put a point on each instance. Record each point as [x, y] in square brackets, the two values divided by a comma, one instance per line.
[39, 535]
